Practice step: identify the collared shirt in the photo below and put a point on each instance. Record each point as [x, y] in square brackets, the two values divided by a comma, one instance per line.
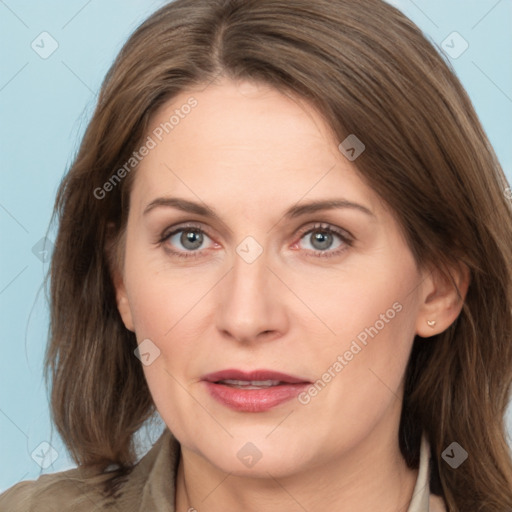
[149, 487]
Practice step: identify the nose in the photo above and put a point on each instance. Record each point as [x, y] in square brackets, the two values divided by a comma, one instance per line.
[251, 302]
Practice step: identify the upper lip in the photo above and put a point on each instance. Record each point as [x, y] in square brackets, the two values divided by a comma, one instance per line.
[255, 375]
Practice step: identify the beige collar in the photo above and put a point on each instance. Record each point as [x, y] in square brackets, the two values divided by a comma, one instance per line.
[422, 499]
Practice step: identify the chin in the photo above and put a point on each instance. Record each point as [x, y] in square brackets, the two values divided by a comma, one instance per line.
[257, 459]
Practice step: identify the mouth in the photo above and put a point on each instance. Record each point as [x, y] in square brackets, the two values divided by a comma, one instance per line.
[252, 384]
[255, 391]
[259, 378]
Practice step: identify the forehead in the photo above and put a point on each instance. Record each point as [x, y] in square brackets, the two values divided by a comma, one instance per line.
[246, 140]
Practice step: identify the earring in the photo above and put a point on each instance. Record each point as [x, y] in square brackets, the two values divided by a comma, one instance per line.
[431, 323]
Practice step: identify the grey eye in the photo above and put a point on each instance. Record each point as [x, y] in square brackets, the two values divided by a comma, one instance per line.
[188, 239]
[321, 240]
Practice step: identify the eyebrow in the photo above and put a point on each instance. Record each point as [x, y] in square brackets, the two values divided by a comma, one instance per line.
[295, 211]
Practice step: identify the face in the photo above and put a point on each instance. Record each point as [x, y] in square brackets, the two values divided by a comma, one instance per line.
[330, 296]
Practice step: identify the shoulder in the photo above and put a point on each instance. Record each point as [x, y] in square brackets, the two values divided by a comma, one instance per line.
[82, 490]
[72, 490]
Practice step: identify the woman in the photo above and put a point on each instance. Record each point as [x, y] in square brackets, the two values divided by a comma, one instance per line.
[286, 233]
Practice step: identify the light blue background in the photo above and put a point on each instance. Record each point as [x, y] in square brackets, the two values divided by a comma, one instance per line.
[44, 107]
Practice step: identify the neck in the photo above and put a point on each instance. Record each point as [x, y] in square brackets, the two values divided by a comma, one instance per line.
[372, 476]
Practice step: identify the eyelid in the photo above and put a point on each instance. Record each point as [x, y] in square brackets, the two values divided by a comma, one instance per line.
[301, 231]
[179, 227]
[327, 227]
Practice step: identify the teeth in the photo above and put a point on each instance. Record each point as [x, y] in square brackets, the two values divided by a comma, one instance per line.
[252, 384]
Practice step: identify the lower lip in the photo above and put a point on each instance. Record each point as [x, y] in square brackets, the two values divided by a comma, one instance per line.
[254, 400]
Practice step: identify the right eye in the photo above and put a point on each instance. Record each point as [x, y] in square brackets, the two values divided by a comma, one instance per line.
[188, 239]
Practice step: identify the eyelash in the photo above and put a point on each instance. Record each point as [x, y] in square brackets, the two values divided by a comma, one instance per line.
[345, 237]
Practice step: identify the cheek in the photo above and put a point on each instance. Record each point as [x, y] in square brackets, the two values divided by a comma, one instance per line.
[371, 316]
[359, 372]
[166, 318]
[160, 294]
[169, 309]
[364, 301]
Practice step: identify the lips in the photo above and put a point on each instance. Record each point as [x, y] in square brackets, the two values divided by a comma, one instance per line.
[254, 376]
[255, 391]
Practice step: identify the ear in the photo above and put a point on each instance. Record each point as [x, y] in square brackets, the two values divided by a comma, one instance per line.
[115, 252]
[123, 305]
[442, 298]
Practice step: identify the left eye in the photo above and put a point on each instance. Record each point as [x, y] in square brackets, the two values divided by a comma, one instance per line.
[323, 239]
[320, 240]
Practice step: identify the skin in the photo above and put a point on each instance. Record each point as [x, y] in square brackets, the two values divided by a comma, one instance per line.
[250, 152]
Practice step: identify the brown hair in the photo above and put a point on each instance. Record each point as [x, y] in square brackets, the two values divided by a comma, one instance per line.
[371, 72]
